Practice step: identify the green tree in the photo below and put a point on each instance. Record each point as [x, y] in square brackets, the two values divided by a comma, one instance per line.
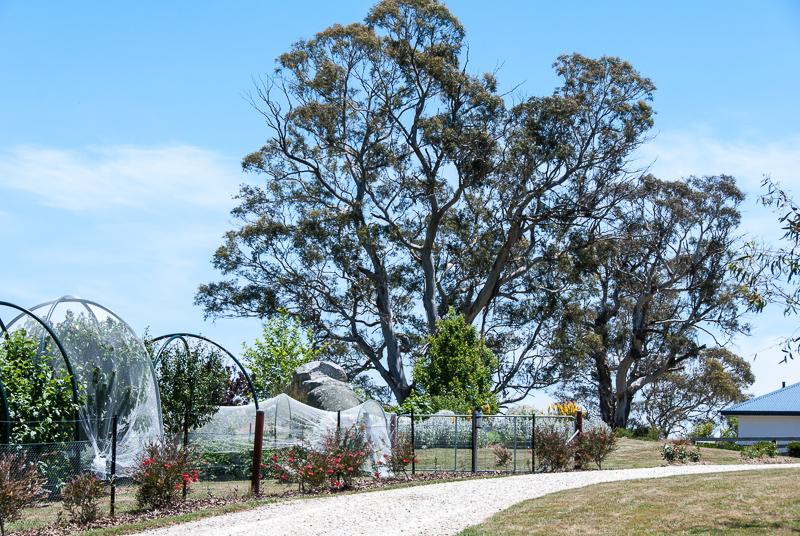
[457, 371]
[40, 400]
[651, 296]
[284, 346]
[693, 395]
[767, 272]
[191, 377]
[398, 185]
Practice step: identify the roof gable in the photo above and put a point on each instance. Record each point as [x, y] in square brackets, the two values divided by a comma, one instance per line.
[784, 401]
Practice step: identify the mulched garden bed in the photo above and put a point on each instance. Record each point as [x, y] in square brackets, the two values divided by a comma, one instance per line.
[196, 505]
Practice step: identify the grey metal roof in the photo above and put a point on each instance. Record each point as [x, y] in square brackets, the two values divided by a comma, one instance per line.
[785, 401]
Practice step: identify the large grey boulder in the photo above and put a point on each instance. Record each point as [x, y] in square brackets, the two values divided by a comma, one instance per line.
[324, 385]
[333, 397]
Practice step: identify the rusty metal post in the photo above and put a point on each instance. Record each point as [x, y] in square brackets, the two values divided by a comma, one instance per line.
[258, 447]
[579, 421]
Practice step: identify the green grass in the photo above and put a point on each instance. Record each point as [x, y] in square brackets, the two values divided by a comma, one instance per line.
[750, 502]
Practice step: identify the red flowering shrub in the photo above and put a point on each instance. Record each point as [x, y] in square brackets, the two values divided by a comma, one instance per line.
[552, 450]
[160, 475]
[401, 456]
[594, 445]
[337, 464]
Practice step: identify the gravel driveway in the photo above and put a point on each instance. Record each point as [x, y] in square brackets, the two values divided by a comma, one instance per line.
[435, 509]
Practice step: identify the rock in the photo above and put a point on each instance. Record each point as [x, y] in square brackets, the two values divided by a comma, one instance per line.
[332, 397]
[319, 368]
[324, 386]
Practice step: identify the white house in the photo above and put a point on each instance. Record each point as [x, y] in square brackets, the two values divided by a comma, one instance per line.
[769, 416]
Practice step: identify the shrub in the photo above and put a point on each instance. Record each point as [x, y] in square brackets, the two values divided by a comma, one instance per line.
[342, 458]
[503, 455]
[762, 449]
[552, 450]
[20, 483]
[594, 445]
[402, 454]
[679, 451]
[164, 469]
[705, 429]
[624, 432]
[793, 449]
[81, 497]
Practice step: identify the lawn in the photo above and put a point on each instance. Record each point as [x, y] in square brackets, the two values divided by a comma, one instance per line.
[757, 502]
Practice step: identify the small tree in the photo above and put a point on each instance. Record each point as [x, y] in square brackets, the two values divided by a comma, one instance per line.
[40, 400]
[456, 372]
[190, 379]
[284, 346]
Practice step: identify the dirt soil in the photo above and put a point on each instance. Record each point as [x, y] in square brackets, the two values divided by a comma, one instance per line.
[196, 505]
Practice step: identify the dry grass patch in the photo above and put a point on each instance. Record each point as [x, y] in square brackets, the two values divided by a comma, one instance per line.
[750, 502]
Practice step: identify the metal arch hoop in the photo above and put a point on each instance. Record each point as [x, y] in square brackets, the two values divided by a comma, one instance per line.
[172, 336]
[63, 353]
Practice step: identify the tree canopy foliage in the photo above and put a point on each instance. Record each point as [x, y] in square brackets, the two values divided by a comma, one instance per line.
[284, 346]
[456, 373]
[769, 274]
[651, 291]
[191, 378]
[399, 185]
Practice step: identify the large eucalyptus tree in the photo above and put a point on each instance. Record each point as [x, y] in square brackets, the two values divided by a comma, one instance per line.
[396, 185]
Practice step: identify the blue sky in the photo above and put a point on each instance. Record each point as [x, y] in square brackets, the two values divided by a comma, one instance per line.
[122, 128]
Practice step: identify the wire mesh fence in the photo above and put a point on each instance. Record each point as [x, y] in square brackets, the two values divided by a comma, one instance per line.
[501, 442]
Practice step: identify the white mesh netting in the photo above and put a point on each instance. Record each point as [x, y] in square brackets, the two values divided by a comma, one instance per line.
[113, 373]
[287, 423]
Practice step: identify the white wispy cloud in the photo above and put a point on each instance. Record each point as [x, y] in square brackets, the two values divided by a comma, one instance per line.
[100, 178]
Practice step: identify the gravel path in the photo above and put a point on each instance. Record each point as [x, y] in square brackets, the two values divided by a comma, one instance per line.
[431, 510]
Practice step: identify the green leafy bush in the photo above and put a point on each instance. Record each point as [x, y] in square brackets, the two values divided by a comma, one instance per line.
[553, 452]
[762, 449]
[457, 370]
[793, 449]
[82, 496]
[705, 429]
[164, 468]
[20, 483]
[40, 401]
[680, 452]
[594, 445]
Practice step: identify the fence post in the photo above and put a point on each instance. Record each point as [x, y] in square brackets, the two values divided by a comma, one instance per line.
[185, 442]
[455, 436]
[533, 443]
[515, 445]
[258, 446]
[474, 421]
[339, 422]
[113, 463]
[413, 446]
[579, 421]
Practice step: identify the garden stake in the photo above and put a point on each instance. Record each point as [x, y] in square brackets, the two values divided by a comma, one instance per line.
[258, 445]
[338, 422]
[413, 446]
[113, 462]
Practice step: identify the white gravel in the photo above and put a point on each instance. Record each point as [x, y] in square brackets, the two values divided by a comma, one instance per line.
[434, 509]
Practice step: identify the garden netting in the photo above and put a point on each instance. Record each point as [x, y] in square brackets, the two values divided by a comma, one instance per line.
[112, 371]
